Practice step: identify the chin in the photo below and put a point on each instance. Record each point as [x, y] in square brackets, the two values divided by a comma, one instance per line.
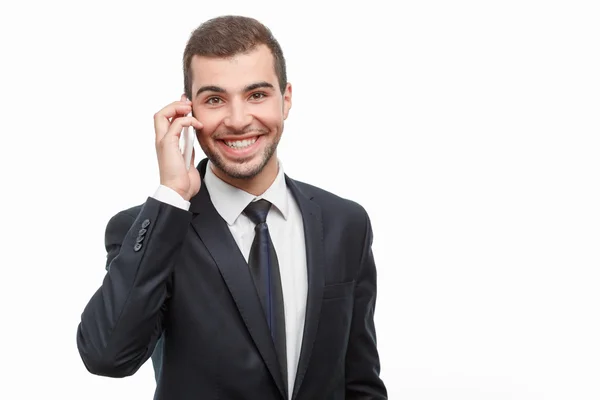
[243, 169]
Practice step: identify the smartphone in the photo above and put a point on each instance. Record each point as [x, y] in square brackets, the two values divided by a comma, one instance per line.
[186, 144]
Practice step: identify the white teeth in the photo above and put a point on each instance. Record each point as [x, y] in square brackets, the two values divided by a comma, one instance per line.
[240, 144]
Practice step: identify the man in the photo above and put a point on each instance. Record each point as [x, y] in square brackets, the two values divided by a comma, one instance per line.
[259, 286]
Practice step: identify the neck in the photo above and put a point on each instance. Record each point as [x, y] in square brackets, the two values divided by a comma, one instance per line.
[256, 185]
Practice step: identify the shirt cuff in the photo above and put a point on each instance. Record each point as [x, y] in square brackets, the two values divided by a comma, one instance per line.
[169, 196]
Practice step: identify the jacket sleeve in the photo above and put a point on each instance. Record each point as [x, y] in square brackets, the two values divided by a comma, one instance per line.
[362, 358]
[122, 321]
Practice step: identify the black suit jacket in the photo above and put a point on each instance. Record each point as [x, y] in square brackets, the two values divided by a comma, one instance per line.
[180, 274]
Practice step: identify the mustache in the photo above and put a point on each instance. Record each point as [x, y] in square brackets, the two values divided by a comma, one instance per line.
[229, 132]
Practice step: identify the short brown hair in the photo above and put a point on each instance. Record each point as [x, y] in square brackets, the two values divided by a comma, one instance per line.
[227, 36]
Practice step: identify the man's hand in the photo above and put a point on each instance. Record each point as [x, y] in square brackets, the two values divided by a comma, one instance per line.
[168, 124]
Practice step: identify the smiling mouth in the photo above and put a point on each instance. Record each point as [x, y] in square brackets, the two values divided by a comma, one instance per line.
[240, 144]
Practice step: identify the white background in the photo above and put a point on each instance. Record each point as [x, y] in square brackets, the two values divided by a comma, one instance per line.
[469, 130]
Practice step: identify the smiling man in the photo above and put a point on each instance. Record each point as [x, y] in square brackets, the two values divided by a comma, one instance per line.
[239, 281]
[242, 109]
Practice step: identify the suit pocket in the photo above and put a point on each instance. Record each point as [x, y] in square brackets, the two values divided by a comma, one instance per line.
[338, 290]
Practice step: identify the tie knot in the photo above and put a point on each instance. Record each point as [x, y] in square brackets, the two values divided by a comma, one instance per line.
[257, 211]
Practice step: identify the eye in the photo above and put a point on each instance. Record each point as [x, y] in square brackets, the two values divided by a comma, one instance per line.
[213, 101]
[258, 96]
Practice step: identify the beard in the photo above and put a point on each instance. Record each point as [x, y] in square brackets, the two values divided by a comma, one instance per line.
[244, 169]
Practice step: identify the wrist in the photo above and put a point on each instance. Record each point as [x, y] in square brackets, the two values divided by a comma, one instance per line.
[176, 192]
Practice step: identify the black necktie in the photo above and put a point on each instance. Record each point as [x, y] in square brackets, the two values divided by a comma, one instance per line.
[265, 272]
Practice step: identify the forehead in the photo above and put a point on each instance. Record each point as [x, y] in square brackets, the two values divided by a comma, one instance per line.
[234, 72]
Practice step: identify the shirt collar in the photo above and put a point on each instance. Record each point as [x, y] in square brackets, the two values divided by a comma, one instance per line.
[230, 201]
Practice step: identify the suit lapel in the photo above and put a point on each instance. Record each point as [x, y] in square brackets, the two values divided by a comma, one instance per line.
[217, 238]
[313, 233]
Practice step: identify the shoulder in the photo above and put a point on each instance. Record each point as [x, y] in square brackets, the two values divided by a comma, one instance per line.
[333, 205]
[345, 223]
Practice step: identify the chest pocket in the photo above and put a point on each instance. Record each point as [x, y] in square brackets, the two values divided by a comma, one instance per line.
[338, 290]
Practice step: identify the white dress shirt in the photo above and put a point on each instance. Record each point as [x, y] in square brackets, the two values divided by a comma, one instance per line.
[287, 233]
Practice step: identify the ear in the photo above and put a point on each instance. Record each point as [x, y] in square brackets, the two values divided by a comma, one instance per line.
[287, 100]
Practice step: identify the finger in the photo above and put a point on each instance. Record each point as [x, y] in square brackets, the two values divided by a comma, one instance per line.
[174, 109]
[165, 118]
[179, 115]
[185, 101]
[178, 124]
[162, 119]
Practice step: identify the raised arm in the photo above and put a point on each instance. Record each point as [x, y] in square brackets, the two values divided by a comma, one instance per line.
[123, 319]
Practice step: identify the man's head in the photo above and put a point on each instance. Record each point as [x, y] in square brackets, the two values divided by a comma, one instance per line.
[234, 74]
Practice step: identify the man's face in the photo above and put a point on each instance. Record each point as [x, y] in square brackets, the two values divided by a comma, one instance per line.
[239, 102]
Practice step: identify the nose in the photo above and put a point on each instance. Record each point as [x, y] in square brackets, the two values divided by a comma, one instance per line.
[238, 116]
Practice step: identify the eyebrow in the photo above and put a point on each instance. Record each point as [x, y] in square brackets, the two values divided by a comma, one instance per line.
[248, 88]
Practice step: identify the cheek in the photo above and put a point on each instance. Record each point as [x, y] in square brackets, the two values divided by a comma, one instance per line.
[271, 117]
[204, 136]
[210, 124]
